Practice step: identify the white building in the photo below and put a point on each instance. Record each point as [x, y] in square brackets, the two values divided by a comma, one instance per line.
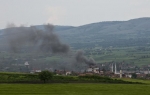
[94, 70]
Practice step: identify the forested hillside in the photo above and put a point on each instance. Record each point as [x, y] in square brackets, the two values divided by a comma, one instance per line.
[135, 32]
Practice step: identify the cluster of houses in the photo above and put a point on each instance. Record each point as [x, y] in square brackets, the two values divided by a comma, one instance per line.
[112, 70]
[115, 72]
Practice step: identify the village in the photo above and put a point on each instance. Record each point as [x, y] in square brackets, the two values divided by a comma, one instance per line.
[112, 70]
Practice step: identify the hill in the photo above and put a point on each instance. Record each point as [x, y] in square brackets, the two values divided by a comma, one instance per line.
[134, 32]
[109, 41]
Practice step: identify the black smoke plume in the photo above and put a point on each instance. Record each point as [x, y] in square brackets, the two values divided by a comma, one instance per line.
[82, 59]
[44, 40]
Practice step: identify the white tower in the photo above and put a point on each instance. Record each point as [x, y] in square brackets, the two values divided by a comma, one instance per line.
[115, 69]
[120, 73]
[112, 68]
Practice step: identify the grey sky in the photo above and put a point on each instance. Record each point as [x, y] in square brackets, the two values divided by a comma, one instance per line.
[70, 12]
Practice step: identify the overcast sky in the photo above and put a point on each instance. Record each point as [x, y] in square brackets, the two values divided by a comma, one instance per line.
[70, 12]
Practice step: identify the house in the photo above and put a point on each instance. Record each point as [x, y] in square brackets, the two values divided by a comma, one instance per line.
[93, 70]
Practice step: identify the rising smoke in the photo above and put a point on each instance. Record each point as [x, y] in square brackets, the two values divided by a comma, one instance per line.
[44, 40]
[81, 58]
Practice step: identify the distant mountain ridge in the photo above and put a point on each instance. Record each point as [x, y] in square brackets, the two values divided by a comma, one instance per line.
[134, 32]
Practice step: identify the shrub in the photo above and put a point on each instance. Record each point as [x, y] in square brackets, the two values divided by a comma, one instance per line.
[45, 76]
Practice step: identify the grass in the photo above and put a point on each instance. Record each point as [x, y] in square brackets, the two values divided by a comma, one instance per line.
[74, 89]
[125, 54]
[137, 80]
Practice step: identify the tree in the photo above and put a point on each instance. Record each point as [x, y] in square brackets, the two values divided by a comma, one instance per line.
[45, 76]
[134, 75]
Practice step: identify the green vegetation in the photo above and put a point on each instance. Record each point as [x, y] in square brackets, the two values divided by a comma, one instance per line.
[70, 85]
[45, 76]
[18, 77]
[133, 55]
[137, 80]
[134, 75]
[74, 89]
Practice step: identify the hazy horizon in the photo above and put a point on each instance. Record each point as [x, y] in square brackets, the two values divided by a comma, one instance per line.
[70, 12]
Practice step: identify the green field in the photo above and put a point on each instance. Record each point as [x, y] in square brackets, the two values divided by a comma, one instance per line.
[74, 89]
[104, 86]
[134, 55]
[137, 80]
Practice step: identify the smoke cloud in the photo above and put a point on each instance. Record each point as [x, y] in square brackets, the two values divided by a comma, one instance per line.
[44, 40]
[82, 59]
[22, 39]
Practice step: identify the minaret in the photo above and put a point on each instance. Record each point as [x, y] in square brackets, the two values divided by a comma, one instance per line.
[120, 73]
[112, 68]
[115, 69]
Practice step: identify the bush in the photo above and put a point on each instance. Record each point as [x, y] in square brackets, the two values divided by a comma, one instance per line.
[134, 75]
[45, 76]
